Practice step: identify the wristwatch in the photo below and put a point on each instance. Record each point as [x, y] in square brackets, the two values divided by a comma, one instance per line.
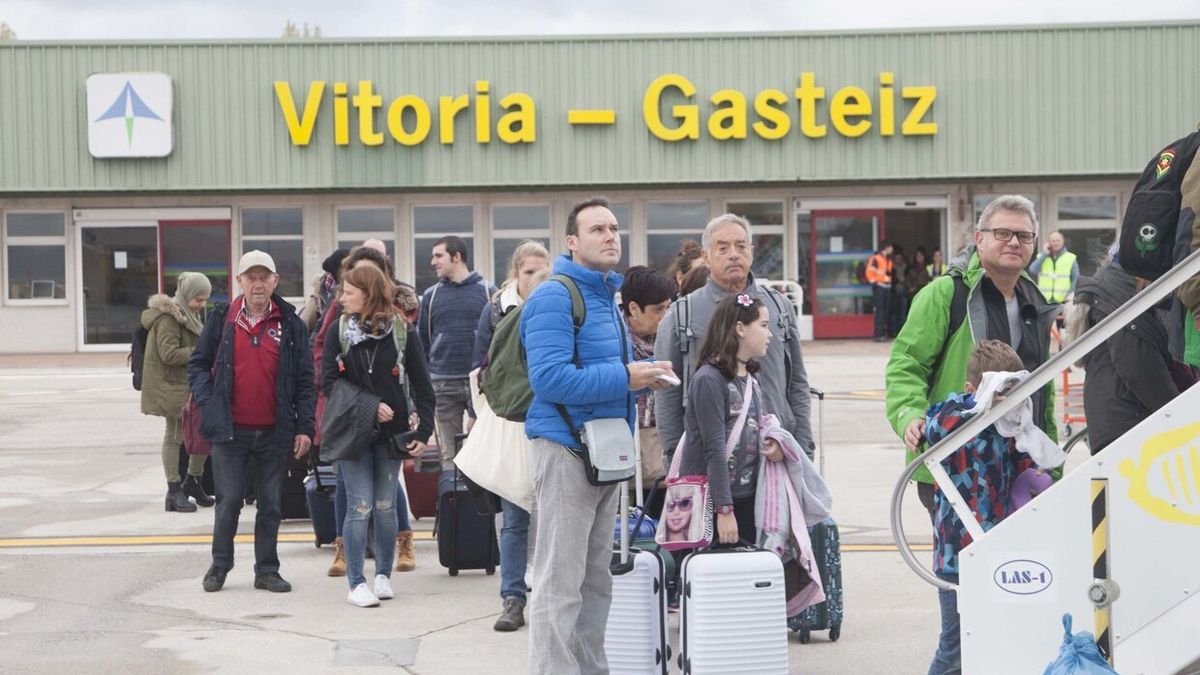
[725, 509]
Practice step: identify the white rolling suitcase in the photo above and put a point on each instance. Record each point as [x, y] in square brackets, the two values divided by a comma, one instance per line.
[733, 613]
[635, 640]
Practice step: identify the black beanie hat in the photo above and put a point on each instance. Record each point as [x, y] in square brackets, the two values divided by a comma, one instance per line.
[334, 261]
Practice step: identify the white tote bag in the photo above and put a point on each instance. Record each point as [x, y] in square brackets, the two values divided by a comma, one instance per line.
[496, 454]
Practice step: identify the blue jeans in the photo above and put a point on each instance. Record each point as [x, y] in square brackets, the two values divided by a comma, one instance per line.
[948, 658]
[514, 550]
[339, 506]
[370, 488]
[250, 453]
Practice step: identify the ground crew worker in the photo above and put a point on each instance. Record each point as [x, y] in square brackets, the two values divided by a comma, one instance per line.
[879, 275]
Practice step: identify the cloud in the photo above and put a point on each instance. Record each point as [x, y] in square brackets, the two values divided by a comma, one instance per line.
[147, 19]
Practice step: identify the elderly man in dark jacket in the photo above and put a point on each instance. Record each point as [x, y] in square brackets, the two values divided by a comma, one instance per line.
[252, 376]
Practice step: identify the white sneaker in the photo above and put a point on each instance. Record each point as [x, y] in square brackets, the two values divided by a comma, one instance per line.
[383, 588]
[362, 596]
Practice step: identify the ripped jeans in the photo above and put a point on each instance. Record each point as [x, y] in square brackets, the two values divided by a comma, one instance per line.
[370, 487]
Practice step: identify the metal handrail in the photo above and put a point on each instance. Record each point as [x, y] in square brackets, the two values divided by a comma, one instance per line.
[932, 457]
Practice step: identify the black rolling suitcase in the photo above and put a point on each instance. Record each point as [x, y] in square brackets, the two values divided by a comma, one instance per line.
[466, 540]
[827, 549]
[320, 490]
[294, 500]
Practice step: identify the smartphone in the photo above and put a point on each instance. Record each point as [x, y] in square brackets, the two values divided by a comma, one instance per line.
[669, 379]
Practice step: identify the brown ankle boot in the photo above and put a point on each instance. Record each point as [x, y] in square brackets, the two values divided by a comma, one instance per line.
[338, 568]
[406, 559]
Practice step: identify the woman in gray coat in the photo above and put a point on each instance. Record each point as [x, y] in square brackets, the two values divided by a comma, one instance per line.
[174, 325]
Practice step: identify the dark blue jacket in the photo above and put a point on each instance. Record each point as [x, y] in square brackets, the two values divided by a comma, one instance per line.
[210, 377]
[446, 327]
[600, 388]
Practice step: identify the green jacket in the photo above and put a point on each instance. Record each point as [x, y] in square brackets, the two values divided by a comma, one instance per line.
[912, 386]
[168, 347]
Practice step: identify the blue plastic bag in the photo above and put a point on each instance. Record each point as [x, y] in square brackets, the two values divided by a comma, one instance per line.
[643, 530]
[1078, 655]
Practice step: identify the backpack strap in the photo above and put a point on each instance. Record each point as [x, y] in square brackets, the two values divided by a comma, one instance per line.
[683, 328]
[958, 314]
[429, 319]
[343, 339]
[786, 318]
[578, 316]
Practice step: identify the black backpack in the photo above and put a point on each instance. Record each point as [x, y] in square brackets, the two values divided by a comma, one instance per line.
[1148, 229]
[137, 354]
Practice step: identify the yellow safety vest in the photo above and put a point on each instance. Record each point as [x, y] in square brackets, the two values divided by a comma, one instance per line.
[1054, 279]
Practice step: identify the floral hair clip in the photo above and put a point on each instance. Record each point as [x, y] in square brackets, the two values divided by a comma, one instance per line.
[745, 300]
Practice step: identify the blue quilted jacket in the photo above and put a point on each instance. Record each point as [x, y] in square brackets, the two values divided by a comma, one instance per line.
[597, 390]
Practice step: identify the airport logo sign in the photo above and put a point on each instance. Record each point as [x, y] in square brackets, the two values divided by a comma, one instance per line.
[130, 115]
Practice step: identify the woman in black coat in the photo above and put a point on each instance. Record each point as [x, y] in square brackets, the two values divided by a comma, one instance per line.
[361, 351]
[1129, 376]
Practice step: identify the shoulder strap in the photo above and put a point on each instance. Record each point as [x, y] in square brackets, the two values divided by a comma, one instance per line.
[735, 434]
[683, 328]
[399, 337]
[578, 316]
[958, 314]
[429, 311]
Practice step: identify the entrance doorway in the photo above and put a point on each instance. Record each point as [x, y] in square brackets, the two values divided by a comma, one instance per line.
[838, 236]
[127, 255]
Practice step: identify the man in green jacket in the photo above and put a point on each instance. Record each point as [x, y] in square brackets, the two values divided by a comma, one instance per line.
[1000, 302]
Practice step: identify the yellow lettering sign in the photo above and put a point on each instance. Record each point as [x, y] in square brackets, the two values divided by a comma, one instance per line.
[689, 115]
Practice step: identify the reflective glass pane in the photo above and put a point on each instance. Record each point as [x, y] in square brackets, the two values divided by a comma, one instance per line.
[1089, 245]
[272, 221]
[365, 220]
[661, 248]
[443, 219]
[423, 252]
[521, 217]
[198, 248]
[768, 256]
[758, 213]
[120, 271]
[502, 256]
[36, 224]
[843, 245]
[288, 255]
[676, 215]
[624, 214]
[389, 244]
[803, 259]
[37, 272]
[1093, 207]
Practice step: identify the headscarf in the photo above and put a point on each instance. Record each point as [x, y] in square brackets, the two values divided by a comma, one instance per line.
[191, 285]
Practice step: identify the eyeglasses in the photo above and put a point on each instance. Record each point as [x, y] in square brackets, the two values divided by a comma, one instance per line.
[684, 504]
[1002, 234]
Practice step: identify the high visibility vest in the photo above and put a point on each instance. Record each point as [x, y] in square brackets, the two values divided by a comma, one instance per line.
[879, 269]
[1054, 279]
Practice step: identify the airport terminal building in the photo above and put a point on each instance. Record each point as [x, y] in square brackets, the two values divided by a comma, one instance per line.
[125, 163]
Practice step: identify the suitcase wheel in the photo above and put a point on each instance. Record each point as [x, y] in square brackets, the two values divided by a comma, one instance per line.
[835, 632]
[805, 636]
[453, 571]
[491, 571]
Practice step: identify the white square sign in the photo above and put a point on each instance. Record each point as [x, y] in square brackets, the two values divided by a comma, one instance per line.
[129, 115]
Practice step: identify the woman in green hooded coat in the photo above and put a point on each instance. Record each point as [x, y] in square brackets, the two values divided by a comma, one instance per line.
[174, 325]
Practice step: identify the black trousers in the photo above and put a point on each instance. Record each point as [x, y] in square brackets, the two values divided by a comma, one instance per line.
[883, 306]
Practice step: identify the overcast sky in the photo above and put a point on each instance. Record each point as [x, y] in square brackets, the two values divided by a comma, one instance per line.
[152, 19]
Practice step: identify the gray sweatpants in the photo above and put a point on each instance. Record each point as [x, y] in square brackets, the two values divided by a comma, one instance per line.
[572, 584]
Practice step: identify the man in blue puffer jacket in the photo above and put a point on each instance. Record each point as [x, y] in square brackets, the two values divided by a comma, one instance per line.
[574, 543]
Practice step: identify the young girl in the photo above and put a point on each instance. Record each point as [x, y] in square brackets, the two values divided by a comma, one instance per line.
[736, 341]
[371, 364]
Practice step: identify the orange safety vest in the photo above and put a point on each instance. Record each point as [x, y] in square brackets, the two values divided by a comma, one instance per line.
[879, 269]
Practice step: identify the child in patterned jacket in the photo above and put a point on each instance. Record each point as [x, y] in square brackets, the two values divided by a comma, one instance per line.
[983, 470]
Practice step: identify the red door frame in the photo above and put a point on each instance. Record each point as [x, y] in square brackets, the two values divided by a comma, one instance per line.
[843, 326]
[228, 224]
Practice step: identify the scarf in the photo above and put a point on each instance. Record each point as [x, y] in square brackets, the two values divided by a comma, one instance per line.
[358, 330]
[643, 348]
[791, 497]
[191, 285]
[1018, 424]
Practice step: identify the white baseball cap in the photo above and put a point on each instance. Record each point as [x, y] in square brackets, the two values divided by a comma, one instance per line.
[256, 258]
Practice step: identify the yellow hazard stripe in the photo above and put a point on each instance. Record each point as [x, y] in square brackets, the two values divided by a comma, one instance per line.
[156, 540]
[1103, 616]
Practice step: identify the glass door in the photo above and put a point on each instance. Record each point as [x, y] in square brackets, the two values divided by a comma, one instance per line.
[118, 273]
[196, 246]
[841, 243]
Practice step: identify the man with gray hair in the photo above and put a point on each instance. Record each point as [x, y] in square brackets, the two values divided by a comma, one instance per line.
[985, 295]
[728, 251]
